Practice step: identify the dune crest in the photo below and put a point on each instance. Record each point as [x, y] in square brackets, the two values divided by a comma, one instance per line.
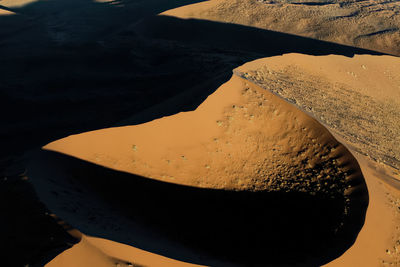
[91, 251]
[246, 158]
[241, 138]
[358, 98]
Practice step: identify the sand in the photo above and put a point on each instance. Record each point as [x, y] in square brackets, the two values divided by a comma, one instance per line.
[180, 199]
[358, 98]
[378, 241]
[241, 108]
[240, 138]
[92, 251]
[367, 24]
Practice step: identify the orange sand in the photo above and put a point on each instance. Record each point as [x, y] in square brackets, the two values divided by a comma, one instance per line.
[119, 148]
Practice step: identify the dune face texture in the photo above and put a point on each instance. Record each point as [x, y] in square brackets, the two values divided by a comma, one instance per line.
[292, 161]
[242, 175]
[368, 24]
[358, 98]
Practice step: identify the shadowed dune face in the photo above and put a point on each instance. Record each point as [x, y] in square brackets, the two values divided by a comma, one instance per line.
[73, 66]
[246, 177]
[54, 64]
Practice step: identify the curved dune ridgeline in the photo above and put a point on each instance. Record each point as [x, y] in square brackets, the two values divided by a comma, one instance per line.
[358, 98]
[292, 161]
[244, 178]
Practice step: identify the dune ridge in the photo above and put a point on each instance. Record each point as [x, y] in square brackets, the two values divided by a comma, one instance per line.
[163, 208]
[358, 98]
[241, 139]
[382, 213]
[310, 85]
[240, 127]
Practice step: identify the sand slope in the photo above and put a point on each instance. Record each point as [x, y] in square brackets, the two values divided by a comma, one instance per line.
[240, 138]
[357, 99]
[50, 54]
[53, 85]
[378, 242]
[118, 148]
[267, 163]
[92, 251]
[368, 24]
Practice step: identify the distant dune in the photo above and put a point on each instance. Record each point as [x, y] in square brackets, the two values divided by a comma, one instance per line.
[367, 24]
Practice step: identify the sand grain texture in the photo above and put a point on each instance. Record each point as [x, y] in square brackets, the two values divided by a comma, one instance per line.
[358, 98]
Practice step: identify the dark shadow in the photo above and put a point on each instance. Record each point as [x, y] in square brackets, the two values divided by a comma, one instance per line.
[241, 227]
[28, 234]
[72, 66]
[68, 67]
[225, 37]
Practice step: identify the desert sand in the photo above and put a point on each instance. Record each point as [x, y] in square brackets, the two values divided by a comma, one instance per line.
[155, 155]
[240, 108]
[368, 24]
[376, 83]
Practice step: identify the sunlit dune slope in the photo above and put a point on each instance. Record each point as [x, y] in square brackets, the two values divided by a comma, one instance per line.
[352, 96]
[101, 252]
[266, 163]
[241, 138]
[367, 24]
[358, 98]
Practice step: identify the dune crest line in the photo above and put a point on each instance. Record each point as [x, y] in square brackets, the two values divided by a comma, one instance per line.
[252, 162]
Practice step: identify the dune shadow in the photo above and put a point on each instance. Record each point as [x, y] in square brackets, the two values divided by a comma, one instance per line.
[73, 66]
[249, 228]
[239, 38]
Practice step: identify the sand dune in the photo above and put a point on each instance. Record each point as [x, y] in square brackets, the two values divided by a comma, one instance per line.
[240, 138]
[222, 197]
[359, 97]
[267, 161]
[92, 251]
[353, 97]
[367, 24]
[240, 112]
